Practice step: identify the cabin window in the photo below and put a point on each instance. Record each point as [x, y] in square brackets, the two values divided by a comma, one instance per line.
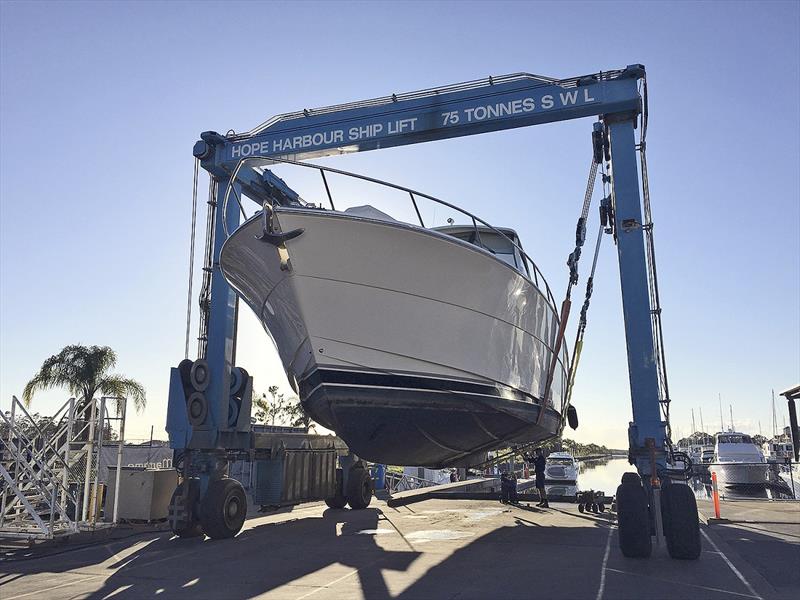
[735, 439]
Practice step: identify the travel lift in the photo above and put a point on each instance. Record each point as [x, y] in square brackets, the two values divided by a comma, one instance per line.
[210, 399]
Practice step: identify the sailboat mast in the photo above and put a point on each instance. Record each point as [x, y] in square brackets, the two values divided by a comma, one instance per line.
[721, 422]
[694, 427]
[730, 406]
[702, 427]
[774, 419]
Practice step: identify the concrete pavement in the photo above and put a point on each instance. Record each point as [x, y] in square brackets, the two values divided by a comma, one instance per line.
[434, 549]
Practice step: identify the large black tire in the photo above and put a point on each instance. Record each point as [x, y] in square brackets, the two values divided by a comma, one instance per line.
[633, 518]
[188, 525]
[631, 478]
[223, 509]
[359, 488]
[337, 501]
[681, 523]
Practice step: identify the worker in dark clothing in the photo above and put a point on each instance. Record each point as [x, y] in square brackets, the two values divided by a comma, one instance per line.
[538, 465]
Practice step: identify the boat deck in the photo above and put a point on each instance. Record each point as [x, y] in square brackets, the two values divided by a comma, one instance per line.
[433, 549]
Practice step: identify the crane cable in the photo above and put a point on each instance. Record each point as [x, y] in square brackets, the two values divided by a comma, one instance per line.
[191, 255]
[578, 346]
[652, 274]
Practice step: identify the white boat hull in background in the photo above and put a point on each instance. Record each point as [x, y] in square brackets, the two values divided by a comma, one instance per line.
[741, 474]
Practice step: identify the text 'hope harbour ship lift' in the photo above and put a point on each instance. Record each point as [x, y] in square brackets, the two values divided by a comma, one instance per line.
[416, 344]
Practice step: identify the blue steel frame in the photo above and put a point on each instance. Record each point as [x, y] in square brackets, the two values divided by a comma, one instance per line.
[467, 109]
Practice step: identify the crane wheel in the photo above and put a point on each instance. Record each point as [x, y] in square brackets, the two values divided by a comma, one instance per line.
[359, 488]
[681, 523]
[631, 478]
[182, 510]
[633, 518]
[338, 500]
[223, 509]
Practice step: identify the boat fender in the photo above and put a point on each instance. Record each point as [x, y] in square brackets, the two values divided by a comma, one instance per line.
[572, 417]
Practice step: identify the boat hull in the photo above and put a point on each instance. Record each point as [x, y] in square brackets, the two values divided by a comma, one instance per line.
[414, 347]
[732, 474]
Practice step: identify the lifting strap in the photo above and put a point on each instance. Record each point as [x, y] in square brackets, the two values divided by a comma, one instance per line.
[572, 263]
[576, 351]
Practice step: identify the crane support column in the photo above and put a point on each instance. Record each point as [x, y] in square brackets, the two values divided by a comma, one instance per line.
[221, 344]
[642, 371]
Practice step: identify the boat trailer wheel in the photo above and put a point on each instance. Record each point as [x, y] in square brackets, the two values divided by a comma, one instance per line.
[223, 509]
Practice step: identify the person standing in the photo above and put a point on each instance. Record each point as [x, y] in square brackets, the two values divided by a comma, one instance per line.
[538, 465]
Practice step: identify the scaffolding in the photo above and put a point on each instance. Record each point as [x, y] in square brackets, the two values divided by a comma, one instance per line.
[49, 468]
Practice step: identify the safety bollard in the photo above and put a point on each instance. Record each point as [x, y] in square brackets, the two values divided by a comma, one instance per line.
[715, 493]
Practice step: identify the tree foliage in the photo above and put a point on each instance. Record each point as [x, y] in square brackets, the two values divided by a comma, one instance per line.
[272, 408]
[85, 372]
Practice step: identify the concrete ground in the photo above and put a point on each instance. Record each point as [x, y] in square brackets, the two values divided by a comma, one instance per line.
[433, 549]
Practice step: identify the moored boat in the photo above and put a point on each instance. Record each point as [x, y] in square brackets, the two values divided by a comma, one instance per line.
[561, 468]
[738, 461]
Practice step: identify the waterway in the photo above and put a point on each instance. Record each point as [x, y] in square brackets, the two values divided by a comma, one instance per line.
[605, 475]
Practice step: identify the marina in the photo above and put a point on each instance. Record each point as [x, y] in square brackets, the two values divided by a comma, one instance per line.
[380, 316]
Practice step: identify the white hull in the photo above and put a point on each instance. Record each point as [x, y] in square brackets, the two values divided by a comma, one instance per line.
[561, 468]
[374, 298]
[741, 474]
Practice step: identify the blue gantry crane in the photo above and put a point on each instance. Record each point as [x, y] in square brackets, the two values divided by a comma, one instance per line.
[210, 398]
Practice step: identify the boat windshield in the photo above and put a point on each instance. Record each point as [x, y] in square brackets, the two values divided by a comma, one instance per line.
[735, 439]
[560, 461]
[501, 247]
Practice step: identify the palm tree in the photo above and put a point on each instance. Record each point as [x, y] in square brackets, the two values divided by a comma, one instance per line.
[84, 371]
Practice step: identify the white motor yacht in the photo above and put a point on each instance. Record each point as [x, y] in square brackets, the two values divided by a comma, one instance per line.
[738, 461]
[422, 346]
[561, 467]
[778, 450]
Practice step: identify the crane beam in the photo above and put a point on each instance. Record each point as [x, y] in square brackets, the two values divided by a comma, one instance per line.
[494, 104]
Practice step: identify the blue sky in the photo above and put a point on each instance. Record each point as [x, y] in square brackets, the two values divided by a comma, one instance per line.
[100, 104]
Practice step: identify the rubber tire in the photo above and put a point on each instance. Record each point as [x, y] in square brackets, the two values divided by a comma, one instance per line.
[601, 507]
[337, 501]
[581, 508]
[359, 488]
[193, 528]
[633, 518]
[218, 523]
[631, 478]
[681, 522]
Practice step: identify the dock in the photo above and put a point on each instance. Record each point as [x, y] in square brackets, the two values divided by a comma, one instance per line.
[435, 548]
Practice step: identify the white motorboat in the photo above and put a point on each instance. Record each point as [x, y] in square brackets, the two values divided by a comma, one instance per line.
[778, 450]
[738, 461]
[562, 468]
[423, 346]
